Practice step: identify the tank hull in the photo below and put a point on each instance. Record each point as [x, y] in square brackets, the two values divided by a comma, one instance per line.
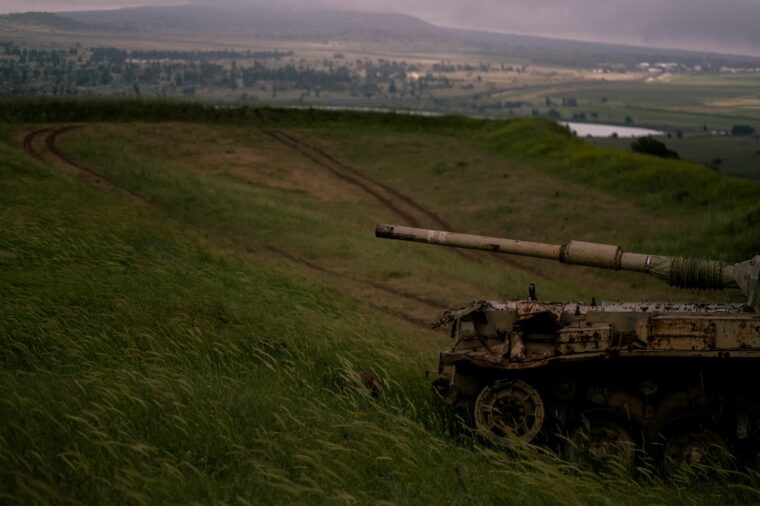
[677, 380]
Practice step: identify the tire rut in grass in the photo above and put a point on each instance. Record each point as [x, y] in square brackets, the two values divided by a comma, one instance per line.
[436, 218]
[28, 142]
[376, 286]
[320, 160]
[365, 183]
[101, 180]
[428, 301]
[93, 174]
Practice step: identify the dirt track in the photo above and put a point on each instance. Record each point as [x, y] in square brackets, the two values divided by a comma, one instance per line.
[51, 148]
[387, 196]
[417, 298]
[312, 152]
[29, 139]
[319, 159]
[52, 153]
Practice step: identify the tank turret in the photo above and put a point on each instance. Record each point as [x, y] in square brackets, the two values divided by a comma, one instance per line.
[676, 380]
[681, 272]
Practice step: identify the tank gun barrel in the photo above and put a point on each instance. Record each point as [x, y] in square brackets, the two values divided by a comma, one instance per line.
[682, 272]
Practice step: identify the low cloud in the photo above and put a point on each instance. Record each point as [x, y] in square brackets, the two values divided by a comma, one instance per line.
[726, 25]
[77, 5]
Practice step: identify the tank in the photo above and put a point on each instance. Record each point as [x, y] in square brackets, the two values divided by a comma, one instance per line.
[677, 383]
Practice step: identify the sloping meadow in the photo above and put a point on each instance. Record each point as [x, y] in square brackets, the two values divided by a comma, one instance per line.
[145, 360]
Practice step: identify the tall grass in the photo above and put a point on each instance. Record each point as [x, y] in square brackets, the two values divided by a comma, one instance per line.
[38, 110]
[730, 207]
[145, 360]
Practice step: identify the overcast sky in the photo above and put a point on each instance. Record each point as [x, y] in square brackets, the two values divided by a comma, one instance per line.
[711, 25]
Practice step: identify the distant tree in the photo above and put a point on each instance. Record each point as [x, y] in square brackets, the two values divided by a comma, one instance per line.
[105, 77]
[650, 146]
[628, 120]
[742, 130]
[554, 114]
[392, 87]
[704, 127]
[679, 134]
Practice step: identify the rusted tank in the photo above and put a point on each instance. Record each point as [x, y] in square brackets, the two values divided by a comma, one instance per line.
[678, 381]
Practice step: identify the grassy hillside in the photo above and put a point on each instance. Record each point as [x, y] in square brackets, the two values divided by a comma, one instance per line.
[42, 20]
[194, 307]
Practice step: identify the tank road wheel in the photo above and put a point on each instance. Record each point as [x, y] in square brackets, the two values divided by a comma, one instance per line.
[602, 443]
[509, 409]
[695, 449]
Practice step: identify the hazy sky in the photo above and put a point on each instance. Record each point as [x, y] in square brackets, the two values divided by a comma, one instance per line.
[717, 25]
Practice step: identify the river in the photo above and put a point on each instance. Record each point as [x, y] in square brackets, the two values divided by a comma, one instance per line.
[598, 130]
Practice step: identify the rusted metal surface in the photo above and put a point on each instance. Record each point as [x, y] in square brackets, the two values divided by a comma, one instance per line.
[647, 369]
[682, 272]
[681, 333]
[589, 338]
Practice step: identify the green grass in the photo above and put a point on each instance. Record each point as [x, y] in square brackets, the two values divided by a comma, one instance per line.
[739, 156]
[158, 353]
[728, 207]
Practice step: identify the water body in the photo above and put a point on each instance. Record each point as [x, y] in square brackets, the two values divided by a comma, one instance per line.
[581, 129]
[597, 130]
[349, 108]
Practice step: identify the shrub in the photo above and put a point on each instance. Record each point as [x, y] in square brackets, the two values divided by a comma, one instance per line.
[650, 146]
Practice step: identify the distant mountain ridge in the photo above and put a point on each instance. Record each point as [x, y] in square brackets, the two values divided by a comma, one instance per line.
[389, 29]
[262, 22]
[496, 40]
[45, 19]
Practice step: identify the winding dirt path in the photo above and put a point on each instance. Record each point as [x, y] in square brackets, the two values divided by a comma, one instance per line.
[28, 142]
[96, 175]
[320, 160]
[428, 301]
[366, 183]
[348, 168]
[98, 178]
[51, 152]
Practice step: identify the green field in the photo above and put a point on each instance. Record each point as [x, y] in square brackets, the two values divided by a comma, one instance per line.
[194, 307]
